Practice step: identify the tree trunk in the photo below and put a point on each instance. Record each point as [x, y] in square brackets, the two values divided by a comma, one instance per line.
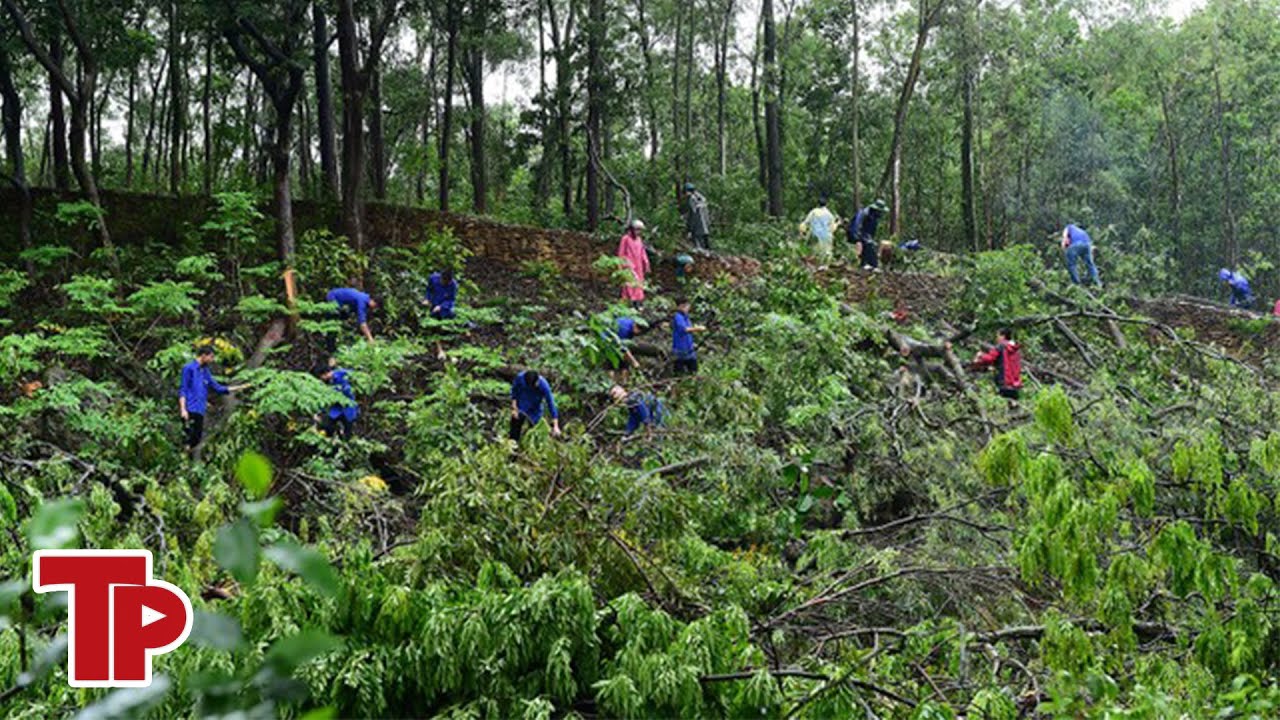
[324, 101]
[12, 122]
[353, 90]
[130, 115]
[856, 99]
[475, 83]
[762, 162]
[176, 101]
[773, 134]
[542, 183]
[1232, 251]
[206, 116]
[967, 207]
[677, 139]
[651, 103]
[377, 137]
[446, 123]
[595, 103]
[57, 114]
[893, 169]
[722, 72]
[1175, 180]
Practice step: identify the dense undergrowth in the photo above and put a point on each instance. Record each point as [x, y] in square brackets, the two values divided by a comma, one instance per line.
[821, 530]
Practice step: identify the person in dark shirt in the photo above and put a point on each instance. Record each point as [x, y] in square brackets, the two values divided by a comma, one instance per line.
[862, 233]
[529, 391]
[193, 396]
[682, 345]
[353, 302]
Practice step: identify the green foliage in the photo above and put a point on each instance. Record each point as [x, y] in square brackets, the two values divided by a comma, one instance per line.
[327, 261]
[998, 284]
[80, 214]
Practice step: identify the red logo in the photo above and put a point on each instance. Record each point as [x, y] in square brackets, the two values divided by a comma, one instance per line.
[118, 616]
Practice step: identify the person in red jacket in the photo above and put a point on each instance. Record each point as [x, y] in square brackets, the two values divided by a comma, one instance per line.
[1006, 358]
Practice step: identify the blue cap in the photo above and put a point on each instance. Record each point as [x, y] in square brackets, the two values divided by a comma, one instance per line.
[1224, 274]
[689, 187]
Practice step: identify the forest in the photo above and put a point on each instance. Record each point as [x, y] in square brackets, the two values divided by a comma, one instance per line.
[829, 513]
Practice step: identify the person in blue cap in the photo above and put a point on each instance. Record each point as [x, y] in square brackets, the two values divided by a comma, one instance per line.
[643, 409]
[339, 420]
[193, 395]
[529, 391]
[442, 294]
[1241, 293]
[1078, 246]
[352, 302]
[862, 233]
[697, 218]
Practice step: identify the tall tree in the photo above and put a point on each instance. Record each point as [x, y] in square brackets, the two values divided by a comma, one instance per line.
[177, 101]
[926, 16]
[772, 122]
[453, 31]
[11, 117]
[358, 65]
[58, 119]
[481, 25]
[325, 123]
[855, 101]
[275, 58]
[595, 105]
[79, 93]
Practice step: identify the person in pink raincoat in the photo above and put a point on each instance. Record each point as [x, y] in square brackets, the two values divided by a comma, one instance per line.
[631, 249]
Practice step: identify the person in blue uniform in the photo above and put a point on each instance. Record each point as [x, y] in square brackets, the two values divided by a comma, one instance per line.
[529, 392]
[339, 420]
[442, 293]
[682, 346]
[643, 409]
[193, 396]
[1241, 293]
[354, 303]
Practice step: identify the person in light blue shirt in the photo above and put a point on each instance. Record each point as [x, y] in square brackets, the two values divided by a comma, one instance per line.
[529, 392]
[1241, 293]
[820, 224]
[193, 395]
[1078, 246]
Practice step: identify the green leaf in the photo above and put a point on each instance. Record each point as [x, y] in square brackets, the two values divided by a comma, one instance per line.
[262, 512]
[128, 702]
[53, 526]
[236, 549]
[307, 563]
[8, 508]
[254, 472]
[323, 713]
[216, 631]
[288, 654]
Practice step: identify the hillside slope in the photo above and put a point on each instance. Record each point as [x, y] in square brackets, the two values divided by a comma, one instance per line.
[823, 528]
